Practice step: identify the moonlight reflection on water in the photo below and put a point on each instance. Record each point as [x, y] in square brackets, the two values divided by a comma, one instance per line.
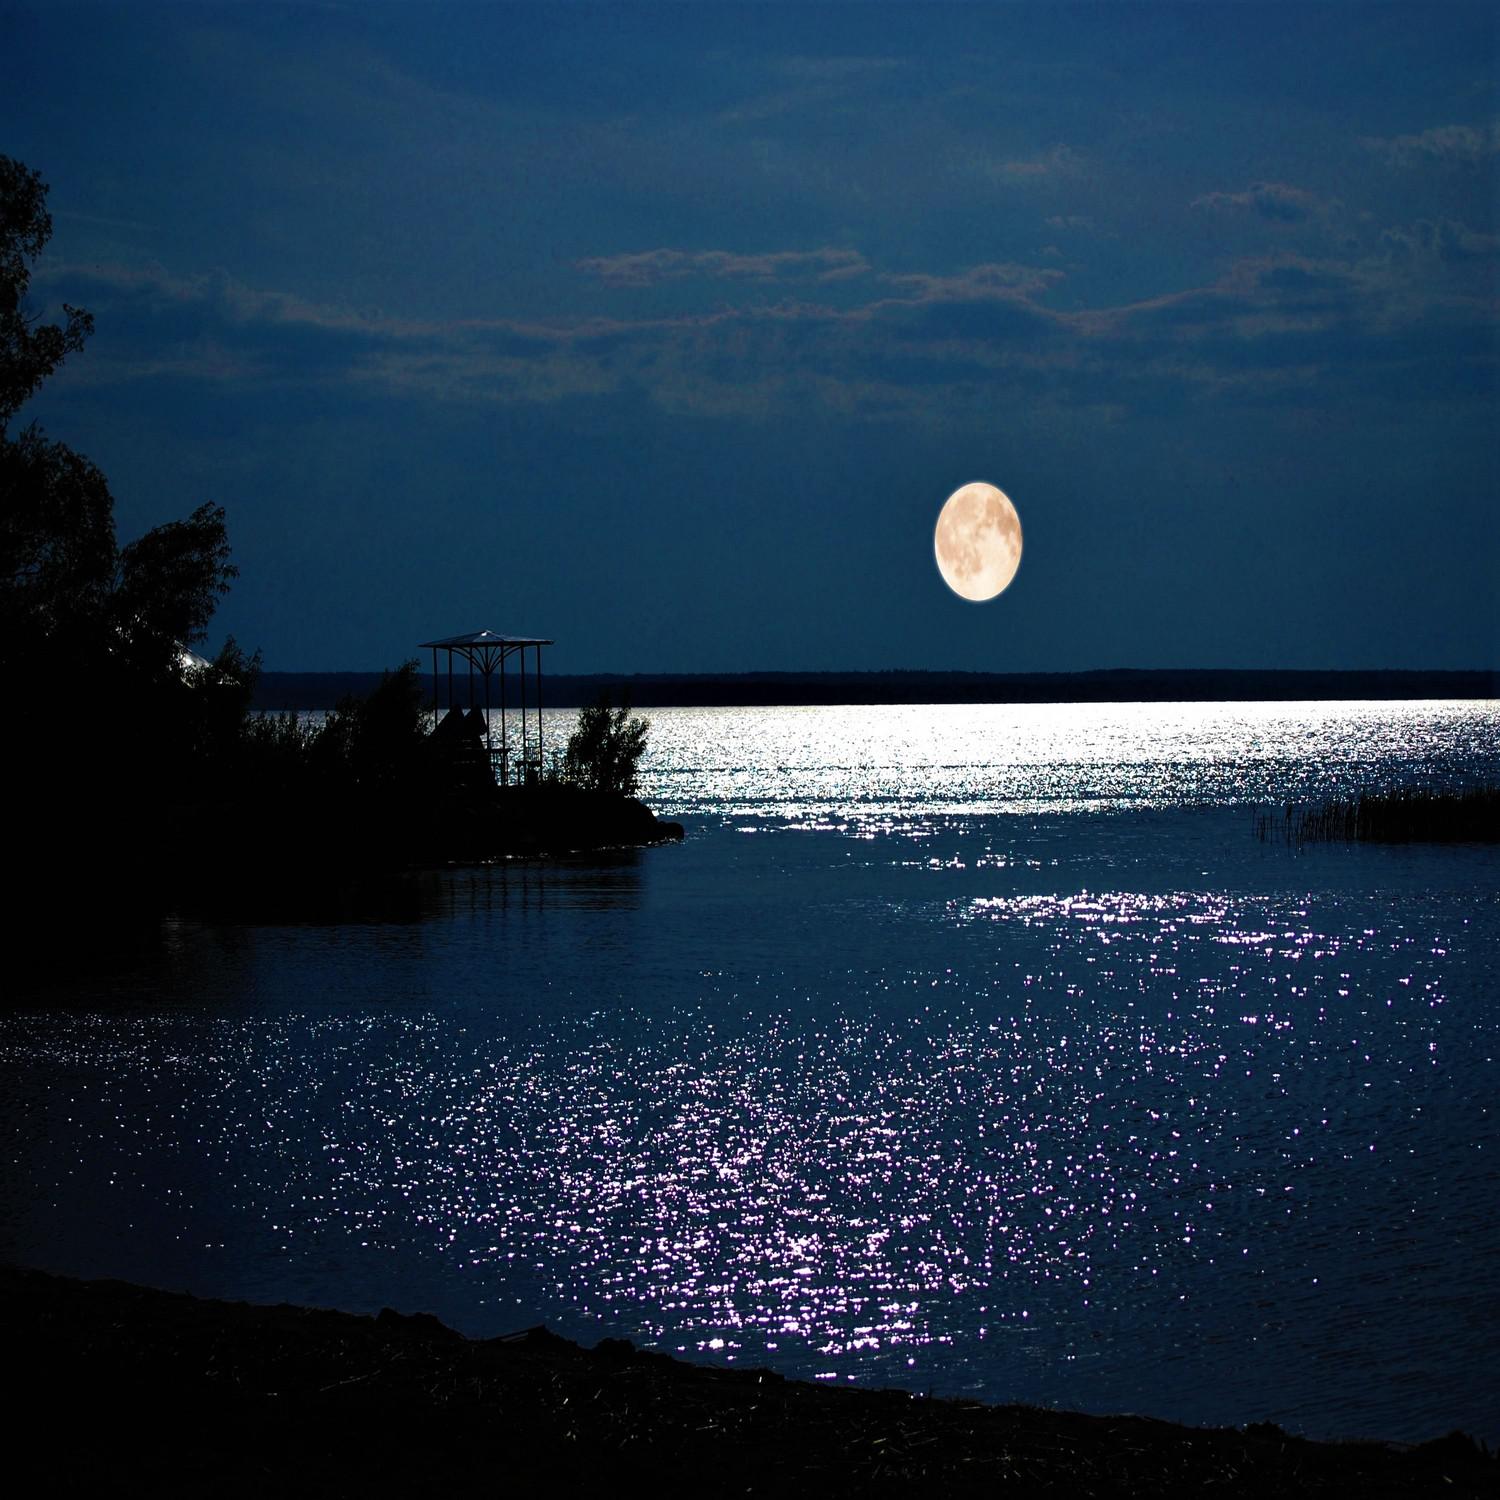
[1095, 1101]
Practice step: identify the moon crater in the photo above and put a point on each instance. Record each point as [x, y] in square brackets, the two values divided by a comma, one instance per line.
[978, 541]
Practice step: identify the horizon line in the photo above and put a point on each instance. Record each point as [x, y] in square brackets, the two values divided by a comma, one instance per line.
[762, 673]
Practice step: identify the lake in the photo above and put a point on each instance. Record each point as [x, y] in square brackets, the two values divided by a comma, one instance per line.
[978, 1050]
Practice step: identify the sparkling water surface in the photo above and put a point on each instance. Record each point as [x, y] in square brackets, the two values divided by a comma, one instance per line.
[983, 1051]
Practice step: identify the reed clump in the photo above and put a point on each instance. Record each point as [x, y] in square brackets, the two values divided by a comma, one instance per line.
[1401, 817]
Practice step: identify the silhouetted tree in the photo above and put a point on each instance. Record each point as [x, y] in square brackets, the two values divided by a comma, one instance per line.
[209, 713]
[604, 751]
[72, 601]
[57, 553]
[93, 631]
[376, 743]
[30, 350]
[166, 586]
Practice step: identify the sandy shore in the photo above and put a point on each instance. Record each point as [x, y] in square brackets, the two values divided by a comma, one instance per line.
[147, 1391]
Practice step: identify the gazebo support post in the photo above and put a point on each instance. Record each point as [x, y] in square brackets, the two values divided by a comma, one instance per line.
[483, 651]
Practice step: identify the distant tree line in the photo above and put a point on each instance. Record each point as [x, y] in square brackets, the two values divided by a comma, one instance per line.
[303, 690]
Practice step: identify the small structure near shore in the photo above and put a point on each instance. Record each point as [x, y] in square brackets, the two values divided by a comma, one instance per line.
[493, 795]
[484, 652]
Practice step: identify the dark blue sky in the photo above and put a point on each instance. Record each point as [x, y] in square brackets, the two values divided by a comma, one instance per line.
[666, 331]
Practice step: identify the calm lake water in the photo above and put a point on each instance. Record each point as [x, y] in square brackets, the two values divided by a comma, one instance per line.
[977, 1050]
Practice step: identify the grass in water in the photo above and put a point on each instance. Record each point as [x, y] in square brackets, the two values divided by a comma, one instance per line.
[1404, 817]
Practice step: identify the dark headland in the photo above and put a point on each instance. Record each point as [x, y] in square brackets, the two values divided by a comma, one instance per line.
[119, 1389]
[304, 690]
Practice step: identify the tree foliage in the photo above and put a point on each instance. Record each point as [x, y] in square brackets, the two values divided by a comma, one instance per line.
[604, 752]
[72, 601]
[57, 551]
[167, 584]
[376, 743]
[30, 350]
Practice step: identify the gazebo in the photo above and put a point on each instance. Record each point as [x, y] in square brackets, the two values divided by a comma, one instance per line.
[485, 654]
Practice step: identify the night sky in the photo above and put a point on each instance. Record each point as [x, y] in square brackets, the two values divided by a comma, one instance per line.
[665, 332]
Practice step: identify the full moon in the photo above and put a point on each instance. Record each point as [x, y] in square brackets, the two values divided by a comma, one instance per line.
[978, 541]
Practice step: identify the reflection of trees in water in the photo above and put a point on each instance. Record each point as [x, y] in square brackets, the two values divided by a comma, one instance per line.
[610, 882]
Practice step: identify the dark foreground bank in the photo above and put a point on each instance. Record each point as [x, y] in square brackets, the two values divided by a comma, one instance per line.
[122, 1389]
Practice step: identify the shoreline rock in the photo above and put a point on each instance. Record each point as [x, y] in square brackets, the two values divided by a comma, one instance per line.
[561, 819]
[168, 1393]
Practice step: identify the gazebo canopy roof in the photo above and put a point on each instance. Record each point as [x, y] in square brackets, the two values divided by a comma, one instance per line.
[482, 638]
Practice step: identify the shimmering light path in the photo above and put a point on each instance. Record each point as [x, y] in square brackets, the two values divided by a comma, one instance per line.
[1117, 1109]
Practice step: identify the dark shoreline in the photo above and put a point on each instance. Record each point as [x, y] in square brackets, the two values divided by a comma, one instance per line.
[165, 1393]
[277, 691]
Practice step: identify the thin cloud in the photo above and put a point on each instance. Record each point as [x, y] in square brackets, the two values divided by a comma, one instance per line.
[648, 267]
[1278, 202]
[1055, 161]
[1000, 279]
[812, 83]
[236, 302]
[1444, 240]
[981, 338]
[1445, 145]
